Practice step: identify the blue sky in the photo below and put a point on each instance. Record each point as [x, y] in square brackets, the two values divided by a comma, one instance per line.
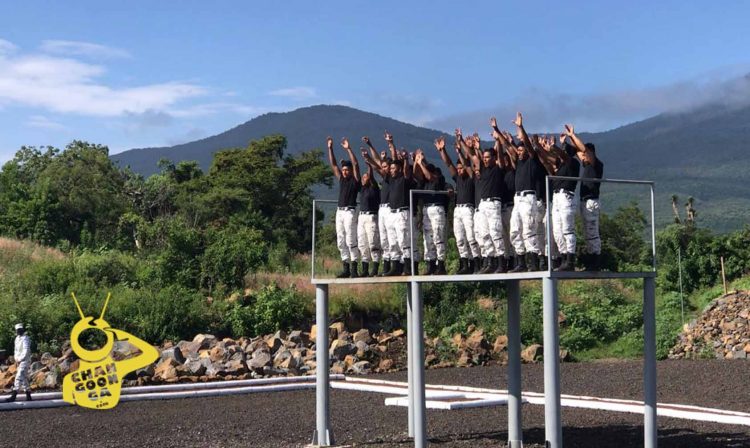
[134, 74]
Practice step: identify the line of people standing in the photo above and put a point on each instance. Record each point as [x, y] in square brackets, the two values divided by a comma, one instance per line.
[499, 219]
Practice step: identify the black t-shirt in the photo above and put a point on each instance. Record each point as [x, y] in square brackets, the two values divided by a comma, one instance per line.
[569, 169]
[464, 190]
[477, 190]
[398, 196]
[541, 181]
[437, 183]
[590, 190]
[491, 181]
[509, 179]
[348, 189]
[385, 187]
[528, 173]
[369, 200]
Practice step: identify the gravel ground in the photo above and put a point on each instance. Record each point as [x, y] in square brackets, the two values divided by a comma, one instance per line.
[360, 419]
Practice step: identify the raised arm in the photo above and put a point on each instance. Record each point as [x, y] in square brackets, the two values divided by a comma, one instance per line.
[373, 152]
[546, 155]
[332, 159]
[391, 146]
[468, 164]
[440, 146]
[524, 136]
[345, 144]
[577, 142]
[419, 166]
[464, 146]
[371, 164]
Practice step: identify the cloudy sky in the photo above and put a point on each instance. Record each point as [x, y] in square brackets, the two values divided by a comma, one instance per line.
[137, 73]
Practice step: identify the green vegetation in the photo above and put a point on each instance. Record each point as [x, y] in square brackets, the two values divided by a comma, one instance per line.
[225, 252]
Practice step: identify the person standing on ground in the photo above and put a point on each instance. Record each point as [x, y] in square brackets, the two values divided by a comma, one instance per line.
[346, 218]
[463, 214]
[593, 168]
[368, 236]
[22, 357]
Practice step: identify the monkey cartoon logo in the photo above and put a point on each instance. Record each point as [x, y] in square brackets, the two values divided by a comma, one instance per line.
[97, 382]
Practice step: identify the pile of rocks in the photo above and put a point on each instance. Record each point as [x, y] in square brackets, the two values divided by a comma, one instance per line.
[206, 358]
[721, 331]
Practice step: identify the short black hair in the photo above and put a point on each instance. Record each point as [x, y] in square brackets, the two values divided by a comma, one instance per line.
[590, 147]
[395, 162]
[489, 150]
[346, 163]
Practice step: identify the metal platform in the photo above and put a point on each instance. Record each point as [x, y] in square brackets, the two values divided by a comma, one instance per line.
[537, 275]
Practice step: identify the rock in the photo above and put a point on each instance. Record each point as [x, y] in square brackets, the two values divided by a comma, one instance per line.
[292, 363]
[215, 370]
[361, 367]
[501, 344]
[3, 355]
[300, 338]
[362, 335]
[336, 329]
[362, 349]
[174, 353]
[236, 367]
[464, 360]
[532, 353]
[188, 348]
[38, 379]
[476, 342]
[206, 341]
[313, 332]
[46, 359]
[398, 333]
[217, 354]
[338, 368]
[565, 355]
[274, 343]
[385, 365]
[195, 366]
[35, 367]
[340, 349]
[165, 370]
[458, 340]
[281, 356]
[261, 358]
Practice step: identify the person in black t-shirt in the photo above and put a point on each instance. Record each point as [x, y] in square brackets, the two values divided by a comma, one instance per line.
[368, 235]
[380, 162]
[592, 168]
[507, 156]
[563, 200]
[463, 214]
[346, 218]
[434, 209]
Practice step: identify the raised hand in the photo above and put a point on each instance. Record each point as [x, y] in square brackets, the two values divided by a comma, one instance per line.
[496, 135]
[569, 130]
[458, 133]
[519, 120]
[364, 152]
[476, 143]
[493, 122]
[366, 140]
[388, 137]
[563, 136]
[345, 143]
[440, 143]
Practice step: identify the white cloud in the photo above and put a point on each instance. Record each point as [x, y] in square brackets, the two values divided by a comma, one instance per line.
[548, 111]
[6, 47]
[295, 93]
[66, 85]
[42, 122]
[86, 49]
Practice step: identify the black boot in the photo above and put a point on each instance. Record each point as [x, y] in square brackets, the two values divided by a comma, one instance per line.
[365, 269]
[596, 262]
[508, 263]
[533, 261]
[463, 266]
[485, 266]
[12, 397]
[398, 268]
[542, 263]
[568, 264]
[520, 264]
[557, 262]
[477, 265]
[386, 267]
[430, 267]
[440, 269]
[355, 274]
[345, 273]
[375, 266]
[28, 395]
[500, 268]
[407, 267]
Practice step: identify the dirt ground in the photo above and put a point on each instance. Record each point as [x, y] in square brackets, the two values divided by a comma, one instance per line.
[287, 419]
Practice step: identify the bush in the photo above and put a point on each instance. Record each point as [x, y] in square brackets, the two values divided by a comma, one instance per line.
[275, 309]
[231, 253]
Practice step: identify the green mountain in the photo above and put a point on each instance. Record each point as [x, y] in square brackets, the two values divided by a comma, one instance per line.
[697, 153]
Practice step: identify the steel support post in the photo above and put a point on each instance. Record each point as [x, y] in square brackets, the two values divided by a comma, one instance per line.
[649, 363]
[410, 357]
[515, 434]
[417, 337]
[323, 435]
[552, 423]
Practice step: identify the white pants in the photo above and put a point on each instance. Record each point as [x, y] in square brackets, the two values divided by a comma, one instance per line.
[368, 237]
[463, 230]
[590, 215]
[523, 224]
[541, 232]
[346, 234]
[433, 231]
[22, 377]
[400, 238]
[492, 228]
[384, 215]
[507, 211]
[480, 228]
[564, 222]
